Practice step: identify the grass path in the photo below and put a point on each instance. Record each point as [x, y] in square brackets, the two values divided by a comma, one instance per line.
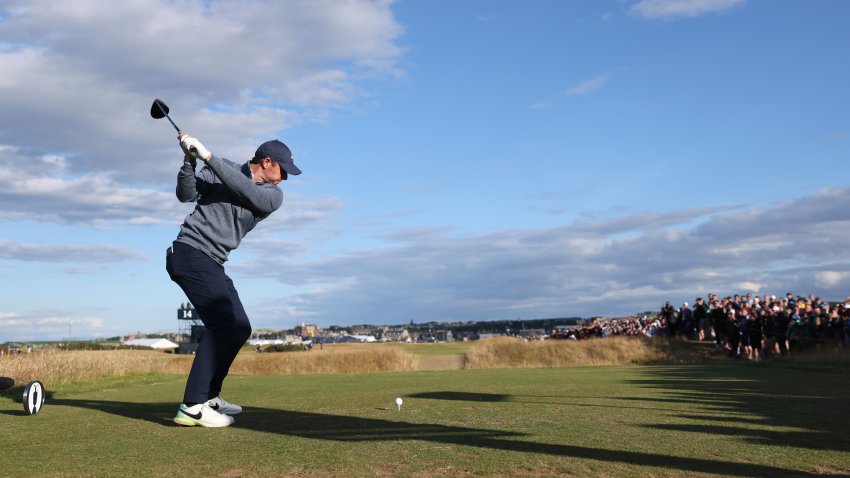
[659, 421]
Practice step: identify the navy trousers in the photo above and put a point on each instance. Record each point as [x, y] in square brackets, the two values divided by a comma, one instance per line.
[212, 293]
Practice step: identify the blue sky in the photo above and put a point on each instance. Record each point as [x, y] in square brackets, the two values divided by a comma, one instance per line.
[472, 160]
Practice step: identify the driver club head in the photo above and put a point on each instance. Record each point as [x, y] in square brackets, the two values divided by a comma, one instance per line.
[160, 110]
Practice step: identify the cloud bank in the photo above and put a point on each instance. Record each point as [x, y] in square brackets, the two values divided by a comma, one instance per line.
[76, 85]
[609, 267]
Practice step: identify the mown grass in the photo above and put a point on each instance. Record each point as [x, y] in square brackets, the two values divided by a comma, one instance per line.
[730, 419]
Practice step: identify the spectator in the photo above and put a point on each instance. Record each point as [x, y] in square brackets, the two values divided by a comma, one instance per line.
[744, 331]
[733, 332]
[686, 321]
[781, 325]
[670, 317]
[755, 332]
[702, 320]
[718, 322]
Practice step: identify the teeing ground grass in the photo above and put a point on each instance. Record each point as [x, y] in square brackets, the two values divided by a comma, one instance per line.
[733, 419]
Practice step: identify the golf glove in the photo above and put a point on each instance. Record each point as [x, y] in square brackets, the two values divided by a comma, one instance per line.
[194, 147]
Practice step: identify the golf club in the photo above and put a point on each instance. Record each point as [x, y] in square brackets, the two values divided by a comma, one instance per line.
[160, 110]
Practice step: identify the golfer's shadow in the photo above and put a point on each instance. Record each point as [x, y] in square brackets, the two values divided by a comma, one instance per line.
[159, 413]
[353, 429]
[464, 396]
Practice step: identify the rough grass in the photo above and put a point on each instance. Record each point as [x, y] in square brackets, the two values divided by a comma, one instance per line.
[68, 367]
[64, 367]
[508, 352]
[378, 358]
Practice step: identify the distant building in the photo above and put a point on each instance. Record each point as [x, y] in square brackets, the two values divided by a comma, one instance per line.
[483, 336]
[396, 334]
[367, 330]
[436, 336]
[157, 344]
[444, 336]
[307, 330]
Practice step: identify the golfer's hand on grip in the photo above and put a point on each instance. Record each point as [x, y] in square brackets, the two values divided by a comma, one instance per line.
[192, 147]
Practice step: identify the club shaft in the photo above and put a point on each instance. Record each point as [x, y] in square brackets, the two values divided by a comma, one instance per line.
[158, 105]
[172, 124]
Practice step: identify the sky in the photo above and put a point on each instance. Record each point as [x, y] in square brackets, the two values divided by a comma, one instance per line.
[474, 160]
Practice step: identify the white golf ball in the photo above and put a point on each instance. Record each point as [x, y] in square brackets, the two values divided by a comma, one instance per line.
[398, 401]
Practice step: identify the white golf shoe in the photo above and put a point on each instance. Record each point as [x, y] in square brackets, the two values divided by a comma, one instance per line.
[223, 406]
[202, 415]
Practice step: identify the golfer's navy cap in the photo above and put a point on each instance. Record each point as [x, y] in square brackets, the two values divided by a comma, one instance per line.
[279, 153]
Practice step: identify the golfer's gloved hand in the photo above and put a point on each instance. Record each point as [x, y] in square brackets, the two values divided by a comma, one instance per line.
[192, 147]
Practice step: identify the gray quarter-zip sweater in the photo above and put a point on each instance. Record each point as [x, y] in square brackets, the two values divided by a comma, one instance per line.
[229, 204]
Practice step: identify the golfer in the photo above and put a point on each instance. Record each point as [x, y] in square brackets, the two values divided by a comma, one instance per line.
[231, 199]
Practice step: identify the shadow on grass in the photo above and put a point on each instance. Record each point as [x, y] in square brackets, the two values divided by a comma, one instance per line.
[530, 399]
[355, 429]
[757, 404]
[463, 396]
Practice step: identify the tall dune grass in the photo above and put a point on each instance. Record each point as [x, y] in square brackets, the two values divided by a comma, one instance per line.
[374, 358]
[63, 367]
[508, 352]
[66, 367]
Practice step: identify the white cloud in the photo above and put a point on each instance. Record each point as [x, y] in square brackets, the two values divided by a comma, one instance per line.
[666, 9]
[829, 279]
[97, 253]
[749, 286]
[77, 83]
[587, 86]
[49, 325]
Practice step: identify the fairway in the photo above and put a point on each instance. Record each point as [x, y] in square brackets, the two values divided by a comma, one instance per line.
[658, 421]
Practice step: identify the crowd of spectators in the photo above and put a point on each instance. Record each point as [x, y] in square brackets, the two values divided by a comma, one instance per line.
[647, 326]
[742, 325]
[751, 326]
